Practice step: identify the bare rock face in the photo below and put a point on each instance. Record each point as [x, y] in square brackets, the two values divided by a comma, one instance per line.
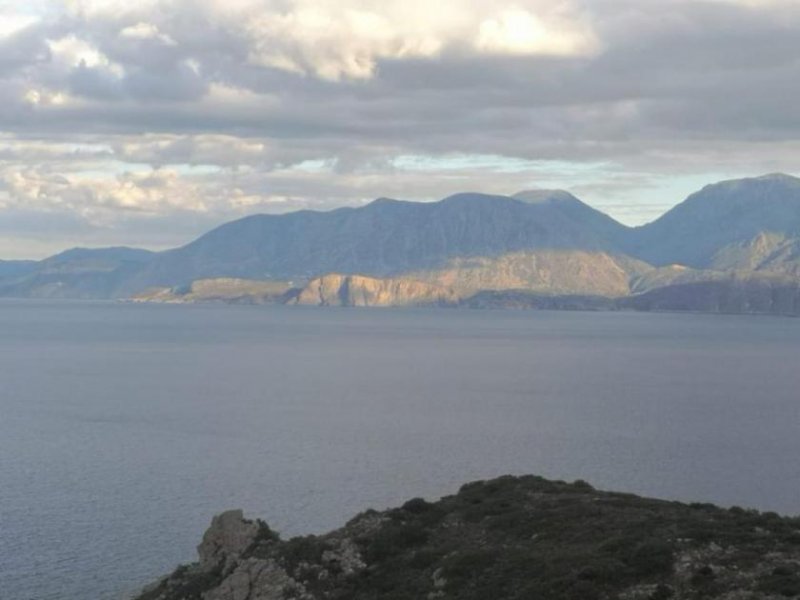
[344, 556]
[357, 290]
[542, 271]
[258, 579]
[226, 540]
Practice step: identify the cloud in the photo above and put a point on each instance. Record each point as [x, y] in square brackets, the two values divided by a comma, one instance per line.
[73, 52]
[337, 40]
[518, 31]
[12, 23]
[174, 115]
[145, 31]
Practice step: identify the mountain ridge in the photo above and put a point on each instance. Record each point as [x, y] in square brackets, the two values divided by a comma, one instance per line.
[719, 217]
[539, 241]
[380, 239]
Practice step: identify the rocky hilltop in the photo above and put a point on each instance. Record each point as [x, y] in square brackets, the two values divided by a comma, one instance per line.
[510, 538]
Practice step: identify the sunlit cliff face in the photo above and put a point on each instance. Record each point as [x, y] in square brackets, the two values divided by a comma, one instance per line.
[148, 122]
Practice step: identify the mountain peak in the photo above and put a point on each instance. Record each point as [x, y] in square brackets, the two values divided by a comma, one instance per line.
[543, 196]
[112, 253]
[717, 226]
[475, 197]
[784, 177]
[780, 179]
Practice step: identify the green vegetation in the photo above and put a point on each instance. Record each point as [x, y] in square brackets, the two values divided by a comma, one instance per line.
[527, 537]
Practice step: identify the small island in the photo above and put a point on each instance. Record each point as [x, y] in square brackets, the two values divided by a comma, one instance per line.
[509, 538]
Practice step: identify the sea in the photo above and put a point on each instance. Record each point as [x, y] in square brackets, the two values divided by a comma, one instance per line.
[125, 427]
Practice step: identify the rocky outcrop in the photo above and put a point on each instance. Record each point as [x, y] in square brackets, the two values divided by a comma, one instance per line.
[229, 536]
[258, 579]
[508, 538]
[358, 290]
[241, 559]
[551, 272]
[485, 283]
[548, 273]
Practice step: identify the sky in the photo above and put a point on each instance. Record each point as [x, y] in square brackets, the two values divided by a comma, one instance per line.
[147, 123]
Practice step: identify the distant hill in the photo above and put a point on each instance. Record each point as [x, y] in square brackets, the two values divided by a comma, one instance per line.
[750, 293]
[742, 224]
[386, 237]
[16, 268]
[77, 273]
[727, 244]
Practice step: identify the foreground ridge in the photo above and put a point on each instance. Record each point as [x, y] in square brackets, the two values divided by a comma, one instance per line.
[508, 538]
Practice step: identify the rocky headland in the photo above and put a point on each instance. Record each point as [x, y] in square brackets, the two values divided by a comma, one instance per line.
[509, 538]
[708, 292]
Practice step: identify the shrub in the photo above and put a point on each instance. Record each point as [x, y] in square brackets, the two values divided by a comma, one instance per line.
[652, 557]
[417, 505]
[393, 539]
[784, 580]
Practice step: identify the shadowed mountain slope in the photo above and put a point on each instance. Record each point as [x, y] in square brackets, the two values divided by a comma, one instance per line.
[16, 268]
[578, 210]
[386, 237]
[77, 273]
[740, 224]
[727, 293]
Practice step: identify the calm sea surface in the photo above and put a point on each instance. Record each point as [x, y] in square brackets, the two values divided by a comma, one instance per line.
[124, 428]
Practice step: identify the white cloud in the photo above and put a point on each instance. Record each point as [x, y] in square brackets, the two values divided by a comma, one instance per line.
[145, 31]
[346, 39]
[44, 97]
[71, 52]
[518, 31]
[91, 9]
[334, 39]
[11, 23]
[100, 199]
[760, 4]
[209, 149]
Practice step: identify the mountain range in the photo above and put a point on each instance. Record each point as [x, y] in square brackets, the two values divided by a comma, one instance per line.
[733, 246]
